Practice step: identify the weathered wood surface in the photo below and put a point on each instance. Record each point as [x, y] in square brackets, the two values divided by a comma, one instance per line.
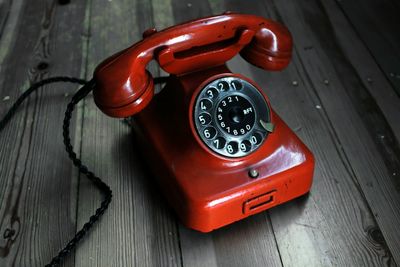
[38, 184]
[344, 107]
[376, 22]
[354, 118]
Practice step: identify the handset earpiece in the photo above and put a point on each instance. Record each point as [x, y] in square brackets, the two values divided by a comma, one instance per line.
[270, 48]
[123, 98]
[123, 85]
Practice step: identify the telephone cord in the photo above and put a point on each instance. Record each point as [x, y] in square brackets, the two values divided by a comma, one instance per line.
[102, 186]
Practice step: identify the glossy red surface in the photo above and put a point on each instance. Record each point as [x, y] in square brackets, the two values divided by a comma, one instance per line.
[124, 87]
[207, 190]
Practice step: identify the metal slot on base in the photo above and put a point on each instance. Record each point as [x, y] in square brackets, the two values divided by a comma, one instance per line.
[259, 203]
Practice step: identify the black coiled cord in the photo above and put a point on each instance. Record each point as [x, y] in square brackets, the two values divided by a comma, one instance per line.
[102, 186]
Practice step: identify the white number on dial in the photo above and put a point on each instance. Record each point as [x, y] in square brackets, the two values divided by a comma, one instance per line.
[202, 120]
[207, 133]
[253, 140]
[243, 147]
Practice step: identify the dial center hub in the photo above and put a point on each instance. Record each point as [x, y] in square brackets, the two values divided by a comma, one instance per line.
[236, 115]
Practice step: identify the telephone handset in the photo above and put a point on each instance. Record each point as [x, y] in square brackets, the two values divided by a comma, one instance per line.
[217, 148]
[125, 87]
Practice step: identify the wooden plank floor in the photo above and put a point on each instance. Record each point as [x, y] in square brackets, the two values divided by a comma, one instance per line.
[340, 94]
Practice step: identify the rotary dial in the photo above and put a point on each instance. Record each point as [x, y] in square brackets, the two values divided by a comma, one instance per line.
[231, 117]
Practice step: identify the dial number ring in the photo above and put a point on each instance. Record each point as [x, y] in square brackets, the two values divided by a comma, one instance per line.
[235, 115]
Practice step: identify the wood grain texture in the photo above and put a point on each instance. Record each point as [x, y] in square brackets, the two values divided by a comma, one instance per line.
[364, 136]
[138, 229]
[37, 188]
[364, 65]
[250, 242]
[320, 231]
[377, 24]
[5, 9]
[10, 11]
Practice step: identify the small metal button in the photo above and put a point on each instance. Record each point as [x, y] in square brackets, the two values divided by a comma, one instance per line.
[253, 173]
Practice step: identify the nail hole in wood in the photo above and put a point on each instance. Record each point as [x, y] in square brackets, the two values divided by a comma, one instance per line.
[8, 233]
[42, 65]
[63, 2]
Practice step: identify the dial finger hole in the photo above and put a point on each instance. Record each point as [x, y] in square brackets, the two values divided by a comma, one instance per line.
[256, 138]
[212, 93]
[245, 146]
[205, 104]
[219, 142]
[223, 86]
[209, 132]
[204, 118]
[232, 147]
[236, 85]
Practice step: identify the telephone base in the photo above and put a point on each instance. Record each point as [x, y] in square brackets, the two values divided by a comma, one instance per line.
[206, 190]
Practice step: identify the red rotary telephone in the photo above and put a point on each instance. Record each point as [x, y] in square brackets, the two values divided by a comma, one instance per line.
[217, 148]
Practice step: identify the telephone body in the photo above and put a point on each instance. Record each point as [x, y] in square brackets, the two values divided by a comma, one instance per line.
[218, 150]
